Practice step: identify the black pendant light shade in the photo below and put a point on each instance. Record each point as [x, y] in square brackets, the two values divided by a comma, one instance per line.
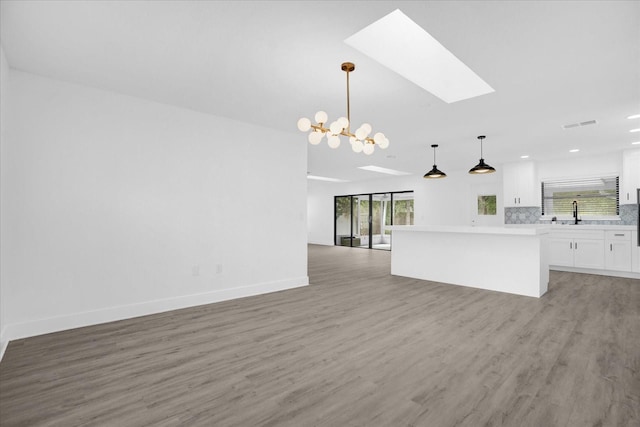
[434, 173]
[481, 167]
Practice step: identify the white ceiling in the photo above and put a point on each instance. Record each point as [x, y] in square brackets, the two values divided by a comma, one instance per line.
[272, 62]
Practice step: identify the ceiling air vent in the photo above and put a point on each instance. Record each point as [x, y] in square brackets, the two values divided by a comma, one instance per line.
[575, 125]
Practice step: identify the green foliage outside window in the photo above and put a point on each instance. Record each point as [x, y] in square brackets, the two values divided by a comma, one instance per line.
[487, 205]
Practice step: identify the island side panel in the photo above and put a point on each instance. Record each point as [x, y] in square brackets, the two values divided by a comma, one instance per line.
[498, 262]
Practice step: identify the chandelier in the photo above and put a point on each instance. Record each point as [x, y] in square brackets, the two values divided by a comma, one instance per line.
[360, 141]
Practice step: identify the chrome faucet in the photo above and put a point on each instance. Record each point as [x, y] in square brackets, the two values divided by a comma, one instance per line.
[575, 212]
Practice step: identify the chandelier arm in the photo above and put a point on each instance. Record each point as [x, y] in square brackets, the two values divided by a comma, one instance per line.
[320, 128]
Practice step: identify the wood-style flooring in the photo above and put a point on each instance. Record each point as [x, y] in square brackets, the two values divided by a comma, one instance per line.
[357, 347]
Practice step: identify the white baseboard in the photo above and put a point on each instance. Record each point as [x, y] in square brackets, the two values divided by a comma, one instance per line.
[111, 314]
[3, 342]
[624, 274]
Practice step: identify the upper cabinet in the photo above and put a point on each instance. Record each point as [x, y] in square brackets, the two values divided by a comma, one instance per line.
[520, 184]
[630, 180]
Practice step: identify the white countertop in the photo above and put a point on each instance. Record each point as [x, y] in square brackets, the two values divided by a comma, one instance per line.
[593, 227]
[580, 227]
[533, 230]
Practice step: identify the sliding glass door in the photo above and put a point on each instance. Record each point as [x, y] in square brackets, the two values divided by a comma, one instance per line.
[380, 221]
[403, 209]
[363, 220]
[352, 225]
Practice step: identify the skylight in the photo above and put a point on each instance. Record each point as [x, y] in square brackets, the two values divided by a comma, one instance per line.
[400, 44]
[383, 170]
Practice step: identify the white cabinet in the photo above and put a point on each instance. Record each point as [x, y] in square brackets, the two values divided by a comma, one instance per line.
[583, 249]
[630, 181]
[635, 257]
[588, 253]
[618, 250]
[606, 250]
[561, 251]
[520, 186]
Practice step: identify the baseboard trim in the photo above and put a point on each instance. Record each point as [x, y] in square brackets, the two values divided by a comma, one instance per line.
[4, 342]
[623, 274]
[111, 314]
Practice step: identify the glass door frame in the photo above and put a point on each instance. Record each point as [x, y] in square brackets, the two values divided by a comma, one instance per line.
[370, 217]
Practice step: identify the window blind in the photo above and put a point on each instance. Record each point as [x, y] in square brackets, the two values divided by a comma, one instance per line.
[595, 196]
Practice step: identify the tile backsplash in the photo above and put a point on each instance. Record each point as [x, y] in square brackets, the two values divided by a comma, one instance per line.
[531, 215]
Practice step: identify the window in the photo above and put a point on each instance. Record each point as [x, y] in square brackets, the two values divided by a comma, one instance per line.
[595, 196]
[487, 205]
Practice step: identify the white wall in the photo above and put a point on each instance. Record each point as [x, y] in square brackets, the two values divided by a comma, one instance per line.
[115, 207]
[4, 107]
[448, 201]
[604, 164]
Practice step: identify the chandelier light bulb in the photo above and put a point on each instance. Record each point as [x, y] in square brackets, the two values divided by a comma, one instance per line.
[357, 146]
[384, 143]
[361, 133]
[368, 149]
[334, 141]
[321, 117]
[344, 122]
[304, 124]
[315, 137]
[335, 128]
[352, 139]
[366, 127]
[378, 137]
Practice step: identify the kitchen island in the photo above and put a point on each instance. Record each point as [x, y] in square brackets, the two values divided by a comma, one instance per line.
[513, 260]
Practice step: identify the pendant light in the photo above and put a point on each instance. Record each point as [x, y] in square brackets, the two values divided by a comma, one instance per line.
[434, 173]
[481, 167]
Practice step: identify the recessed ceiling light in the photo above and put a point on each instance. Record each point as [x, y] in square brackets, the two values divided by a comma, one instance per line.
[635, 143]
[634, 130]
[575, 150]
[524, 157]
[324, 178]
[635, 116]
[383, 170]
[403, 46]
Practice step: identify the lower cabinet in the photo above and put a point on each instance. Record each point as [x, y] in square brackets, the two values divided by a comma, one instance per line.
[594, 249]
[618, 250]
[635, 252]
[589, 253]
[577, 252]
[561, 251]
